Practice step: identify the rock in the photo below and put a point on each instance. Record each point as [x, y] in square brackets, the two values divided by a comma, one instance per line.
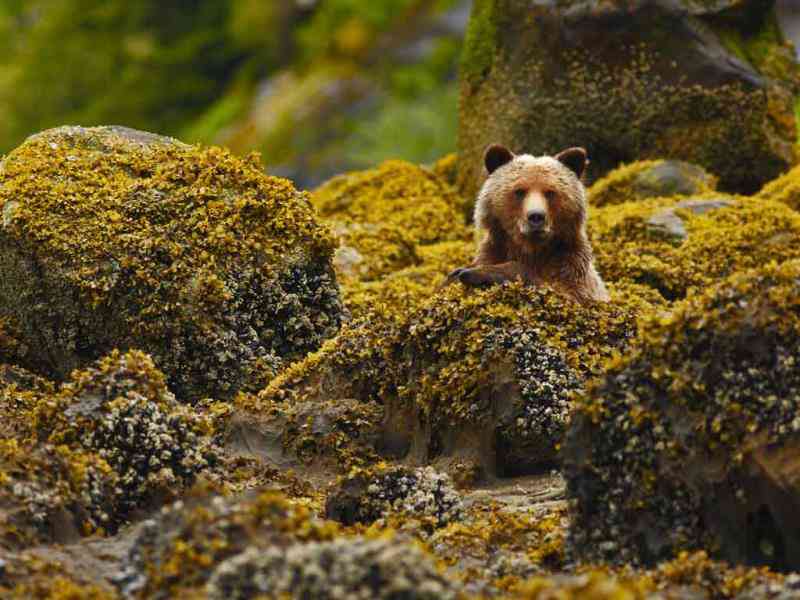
[176, 553]
[691, 438]
[353, 568]
[124, 239]
[651, 179]
[479, 378]
[674, 245]
[711, 83]
[385, 215]
[121, 444]
[668, 222]
[364, 496]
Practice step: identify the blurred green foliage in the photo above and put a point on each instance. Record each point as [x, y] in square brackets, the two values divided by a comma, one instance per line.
[197, 69]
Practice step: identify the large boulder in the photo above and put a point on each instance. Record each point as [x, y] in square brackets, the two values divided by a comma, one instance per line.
[692, 439]
[707, 82]
[468, 380]
[114, 238]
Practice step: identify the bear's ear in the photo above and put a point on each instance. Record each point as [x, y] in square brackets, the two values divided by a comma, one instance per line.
[496, 156]
[574, 159]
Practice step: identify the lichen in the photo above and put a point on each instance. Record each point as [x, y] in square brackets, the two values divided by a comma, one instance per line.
[190, 254]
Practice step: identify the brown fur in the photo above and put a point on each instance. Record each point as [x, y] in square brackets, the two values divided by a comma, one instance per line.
[553, 250]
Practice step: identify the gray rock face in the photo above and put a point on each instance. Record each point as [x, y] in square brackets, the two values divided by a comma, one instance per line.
[668, 223]
[114, 238]
[629, 81]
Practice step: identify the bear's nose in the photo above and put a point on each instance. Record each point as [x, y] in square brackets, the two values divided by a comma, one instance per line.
[536, 218]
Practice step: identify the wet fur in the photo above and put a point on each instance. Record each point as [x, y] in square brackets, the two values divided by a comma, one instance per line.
[563, 259]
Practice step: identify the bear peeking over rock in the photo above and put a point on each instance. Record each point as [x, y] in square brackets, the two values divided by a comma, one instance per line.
[532, 214]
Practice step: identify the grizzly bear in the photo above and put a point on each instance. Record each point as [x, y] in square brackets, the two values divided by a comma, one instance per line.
[531, 212]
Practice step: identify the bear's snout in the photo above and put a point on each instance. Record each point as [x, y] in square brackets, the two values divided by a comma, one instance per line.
[537, 219]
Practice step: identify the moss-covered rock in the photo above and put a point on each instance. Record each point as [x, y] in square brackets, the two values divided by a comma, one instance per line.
[711, 83]
[651, 179]
[672, 245]
[113, 238]
[385, 214]
[482, 376]
[176, 553]
[690, 439]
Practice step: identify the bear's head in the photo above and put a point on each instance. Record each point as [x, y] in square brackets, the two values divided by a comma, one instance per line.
[535, 200]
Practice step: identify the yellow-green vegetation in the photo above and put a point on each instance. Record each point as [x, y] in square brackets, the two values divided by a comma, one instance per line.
[455, 362]
[31, 577]
[176, 553]
[673, 244]
[650, 179]
[689, 434]
[785, 188]
[113, 238]
[117, 439]
[686, 575]
[386, 214]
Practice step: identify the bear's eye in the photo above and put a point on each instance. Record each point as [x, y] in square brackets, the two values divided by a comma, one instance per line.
[520, 193]
[551, 195]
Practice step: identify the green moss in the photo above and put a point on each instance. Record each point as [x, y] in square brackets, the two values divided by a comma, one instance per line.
[666, 439]
[785, 189]
[480, 42]
[190, 254]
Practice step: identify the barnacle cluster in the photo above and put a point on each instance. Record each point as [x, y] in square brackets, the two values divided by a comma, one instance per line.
[118, 440]
[687, 435]
[366, 495]
[176, 550]
[491, 362]
[335, 570]
[218, 271]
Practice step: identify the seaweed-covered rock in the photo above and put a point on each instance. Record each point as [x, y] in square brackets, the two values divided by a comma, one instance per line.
[711, 83]
[337, 570]
[672, 245]
[384, 214]
[366, 495]
[115, 422]
[52, 494]
[651, 179]
[483, 376]
[113, 238]
[785, 188]
[691, 438]
[176, 553]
